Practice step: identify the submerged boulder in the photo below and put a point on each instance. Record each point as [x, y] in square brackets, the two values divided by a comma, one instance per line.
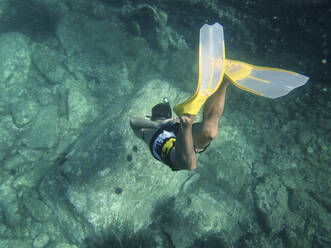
[23, 111]
[15, 64]
[44, 134]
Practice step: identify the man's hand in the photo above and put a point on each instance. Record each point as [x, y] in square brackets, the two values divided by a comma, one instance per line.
[186, 120]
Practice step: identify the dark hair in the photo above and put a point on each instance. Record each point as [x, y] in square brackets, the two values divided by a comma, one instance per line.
[161, 111]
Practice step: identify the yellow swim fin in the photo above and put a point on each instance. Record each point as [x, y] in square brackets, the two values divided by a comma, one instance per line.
[211, 69]
[263, 81]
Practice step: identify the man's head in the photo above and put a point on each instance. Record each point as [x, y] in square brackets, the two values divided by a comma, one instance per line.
[161, 111]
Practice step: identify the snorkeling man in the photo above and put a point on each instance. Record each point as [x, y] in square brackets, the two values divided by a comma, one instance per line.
[175, 141]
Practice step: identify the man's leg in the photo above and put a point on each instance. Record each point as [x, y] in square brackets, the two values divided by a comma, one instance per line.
[204, 132]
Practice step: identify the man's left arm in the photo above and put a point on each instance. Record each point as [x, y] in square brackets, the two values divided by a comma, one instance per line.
[137, 123]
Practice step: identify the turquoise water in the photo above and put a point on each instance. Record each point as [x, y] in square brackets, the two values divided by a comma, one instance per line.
[72, 174]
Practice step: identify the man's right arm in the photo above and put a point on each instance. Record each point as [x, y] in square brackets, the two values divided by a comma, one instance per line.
[183, 155]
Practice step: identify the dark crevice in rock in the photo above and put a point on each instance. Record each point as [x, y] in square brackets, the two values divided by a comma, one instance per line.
[290, 201]
[62, 106]
[261, 219]
[61, 159]
[210, 240]
[260, 216]
[284, 237]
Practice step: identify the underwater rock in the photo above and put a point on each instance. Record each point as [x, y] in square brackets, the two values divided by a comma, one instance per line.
[31, 155]
[304, 229]
[325, 124]
[103, 76]
[15, 162]
[6, 140]
[154, 236]
[193, 216]
[295, 231]
[3, 108]
[81, 108]
[183, 65]
[91, 43]
[305, 136]
[44, 133]
[11, 243]
[15, 65]
[148, 21]
[41, 241]
[37, 208]
[140, 189]
[3, 228]
[31, 178]
[9, 205]
[61, 245]
[23, 111]
[12, 214]
[52, 189]
[50, 64]
[271, 201]
[151, 23]
[110, 62]
[7, 135]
